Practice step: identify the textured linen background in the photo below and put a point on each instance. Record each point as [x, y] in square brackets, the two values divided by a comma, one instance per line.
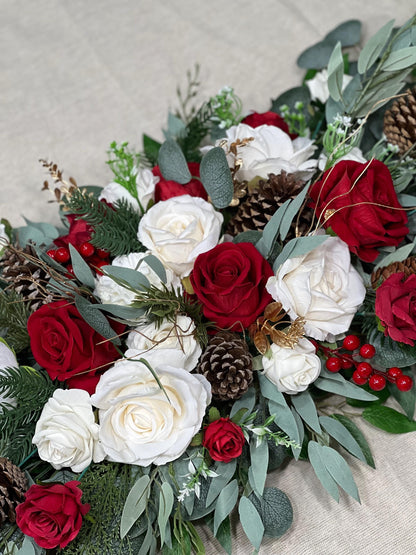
[76, 75]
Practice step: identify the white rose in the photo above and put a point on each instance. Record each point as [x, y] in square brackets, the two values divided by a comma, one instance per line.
[292, 370]
[145, 187]
[318, 85]
[66, 433]
[142, 424]
[322, 286]
[109, 291]
[177, 230]
[4, 238]
[7, 360]
[354, 154]
[170, 342]
[270, 151]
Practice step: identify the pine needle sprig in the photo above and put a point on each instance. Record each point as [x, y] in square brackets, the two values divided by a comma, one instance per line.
[14, 313]
[196, 130]
[115, 230]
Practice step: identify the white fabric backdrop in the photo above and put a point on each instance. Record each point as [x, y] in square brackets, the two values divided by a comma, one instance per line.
[77, 75]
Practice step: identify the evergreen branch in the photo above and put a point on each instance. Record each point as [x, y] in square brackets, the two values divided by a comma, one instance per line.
[196, 130]
[14, 313]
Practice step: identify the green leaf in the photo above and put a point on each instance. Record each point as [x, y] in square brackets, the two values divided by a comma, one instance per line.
[251, 236]
[156, 266]
[225, 503]
[135, 504]
[381, 397]
[223, 535]
[316, 56]
[348, 33]
[247, 401]
[358, 436]
[336, 73]
[291, 211]
[213, 414]
[127, 277]
[396, 256]
[166, 500]
[406, 399]
[341, 434]
[125, 312]
[347, 389]
[290, 98]
[390, 353]
[315, 455]
[270, 391]
[151, 149]
[259, 455]
[340, 471]
[299, 247]
[373, 47]
[27, 547]
[251, 521]
[306, 408]
[96, 319]
[389, 420]
[148, 545]
[271, 229]
[284, 418]
[176, 127]
[172, 163]
[81, 269]
[400, 59]
[216, 177]
[301, 433]
[225, 472]
[275, 511]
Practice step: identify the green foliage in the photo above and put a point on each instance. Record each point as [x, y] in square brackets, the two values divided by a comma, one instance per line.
[124, 164]
[151, 150]
[114, 230]
[389, 419]
[406, 399]
[275, 511]
[14, 313]
[31, 388]
[172, 162]
[216, 177]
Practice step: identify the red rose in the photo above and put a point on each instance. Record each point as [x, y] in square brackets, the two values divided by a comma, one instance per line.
[224, 440]
[52, 515]
[268, 118]
[396, 307]
[79, 232]
[168, 189]
[359, 203]
[229, 281]
[69, 348]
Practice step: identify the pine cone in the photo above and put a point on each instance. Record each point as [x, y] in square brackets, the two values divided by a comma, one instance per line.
[24, 276]
[407, 267]
[228, 366]
[400, 123]
[260, 205]
[13, 485]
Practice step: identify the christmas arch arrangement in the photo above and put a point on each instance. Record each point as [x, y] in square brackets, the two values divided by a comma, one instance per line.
[184, 333]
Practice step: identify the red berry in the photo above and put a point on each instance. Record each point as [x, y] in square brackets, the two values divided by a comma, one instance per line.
[98, 265]
[70, 271]
[367, 350]
[404, 383]
[394, 372]
[351, 342]
[358, 378]
[364, 369]
[51, 253]
[333, 364]
[62, 255]
[102, 253]
[346, 363]
[377, 382]
[86, 249]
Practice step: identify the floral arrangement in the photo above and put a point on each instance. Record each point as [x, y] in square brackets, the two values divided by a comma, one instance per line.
[185, 331]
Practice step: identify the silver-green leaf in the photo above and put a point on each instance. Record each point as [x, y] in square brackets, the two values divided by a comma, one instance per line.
[251, 521]
[172, 162]
[373, 47]
[216, 177]
[135, 504]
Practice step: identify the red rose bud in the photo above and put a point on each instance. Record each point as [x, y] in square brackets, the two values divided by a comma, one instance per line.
[67, 347]
[52, 515]
[396, 307]
[224, 440]
[268, 118]
[359, 203]
[229, 281]
[167, 189]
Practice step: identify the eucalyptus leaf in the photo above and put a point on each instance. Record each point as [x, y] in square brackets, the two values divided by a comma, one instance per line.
[351, 92]
[406, 399]
[301, 433]
[358, 436]
[340, 471]
[348, 33]
[316, 56]
[270, 391]
[28, 548]
[306, 408]
[316, 458]
[225, 503]
[127, 277]
[81, 269]
[336, 73]
[291, 211]
[96, 319]
[135, 504]
[166, 499]
[347, 389]
[373, 47]
[342, 435]
[400, 59]
[124, 312]
[333, 109]
[408, 201]
[284, 418]
[299, 247]
[397, 256]
[216, 177]
[247, 401]
[149, 542]
[259, 455]
[225, 472]
[251, 521]
[290, 98]
[251, 236]
[176, 127]
[275, 511]
[156, 265]
[172, 162]
[388, 419]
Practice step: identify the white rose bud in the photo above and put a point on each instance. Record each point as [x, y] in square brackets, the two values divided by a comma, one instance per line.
[322, 286]
[177, 230]
[318, 85]
[109, 291]
[140, 423]
[292, 370]
[66, 433]
[170, 342]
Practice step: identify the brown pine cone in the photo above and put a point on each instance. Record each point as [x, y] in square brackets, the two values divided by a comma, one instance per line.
[260, 205]
[407, 267]
[400, 123]
[13, 485]
[228, 365]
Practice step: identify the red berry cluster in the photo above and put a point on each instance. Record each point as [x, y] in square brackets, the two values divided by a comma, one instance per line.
[96, 258]
[364, 372]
